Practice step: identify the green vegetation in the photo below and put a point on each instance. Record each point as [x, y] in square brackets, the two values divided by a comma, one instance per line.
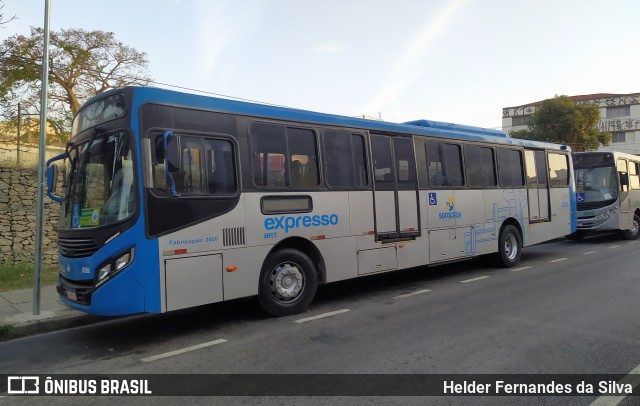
[20, 276]
[5, 331]
[560, 121]
[83, 64]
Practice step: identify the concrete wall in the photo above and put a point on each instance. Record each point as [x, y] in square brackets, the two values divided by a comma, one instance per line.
[18, 190]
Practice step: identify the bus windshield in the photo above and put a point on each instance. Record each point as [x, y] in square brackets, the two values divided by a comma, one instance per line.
[100, 184]
[597, 183]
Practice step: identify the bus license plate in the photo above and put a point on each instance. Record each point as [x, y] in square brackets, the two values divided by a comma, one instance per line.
[71, 294]
[588, 213]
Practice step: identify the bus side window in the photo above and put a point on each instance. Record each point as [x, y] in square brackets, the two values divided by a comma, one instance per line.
[284, 156]
[219, 167]
[345, 159]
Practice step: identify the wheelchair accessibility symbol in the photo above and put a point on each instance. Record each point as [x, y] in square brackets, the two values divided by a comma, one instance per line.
[580, 197]
[433, 199]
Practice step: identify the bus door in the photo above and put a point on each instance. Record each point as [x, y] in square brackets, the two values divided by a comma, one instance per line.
[537, 185]
[396, 188]
[625, 203]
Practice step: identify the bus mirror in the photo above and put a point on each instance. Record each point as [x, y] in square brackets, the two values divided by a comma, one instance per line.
[172, 151]
[52, 177]
[52, 183]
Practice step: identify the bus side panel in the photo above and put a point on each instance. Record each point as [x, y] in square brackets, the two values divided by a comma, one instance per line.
[499, 205]
[245, 280]
[208, 237]
[361, 214]
[559, 224]
[339, 256]
[329, 218]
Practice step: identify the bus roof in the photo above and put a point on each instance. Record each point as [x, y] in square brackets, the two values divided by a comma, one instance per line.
[417, 127]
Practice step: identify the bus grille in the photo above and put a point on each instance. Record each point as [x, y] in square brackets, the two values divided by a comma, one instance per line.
[233, 236]
[594, 205]
[77, 247]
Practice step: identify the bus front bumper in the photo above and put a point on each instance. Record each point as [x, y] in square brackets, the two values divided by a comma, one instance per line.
[119, 296]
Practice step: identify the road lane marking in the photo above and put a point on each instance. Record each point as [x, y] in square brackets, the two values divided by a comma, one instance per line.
[558, 260]
[475, 279]
[589, 252]
[614, 246]
[183, 350]
[417, 292]
[322, 316]
[632, 378]
[519, 269]
[633, 242]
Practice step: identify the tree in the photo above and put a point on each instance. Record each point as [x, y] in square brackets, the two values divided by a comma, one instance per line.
[82, 64]
[3, 19]
[560, 121]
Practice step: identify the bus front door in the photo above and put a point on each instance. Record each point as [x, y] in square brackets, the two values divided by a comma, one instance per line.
[396, 188]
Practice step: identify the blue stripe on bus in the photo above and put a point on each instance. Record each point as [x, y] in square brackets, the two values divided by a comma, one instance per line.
[422, 127]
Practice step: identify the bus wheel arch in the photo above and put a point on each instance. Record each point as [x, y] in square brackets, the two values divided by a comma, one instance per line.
[289, 277]
[634, 232]
[510, 244]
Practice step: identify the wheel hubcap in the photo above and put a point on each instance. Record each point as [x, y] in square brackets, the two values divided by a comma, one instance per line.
[635, 228]
[511, 247]
[286, 282]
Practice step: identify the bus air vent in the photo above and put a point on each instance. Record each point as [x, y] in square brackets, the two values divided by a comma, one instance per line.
[233, 236]
[77, 247]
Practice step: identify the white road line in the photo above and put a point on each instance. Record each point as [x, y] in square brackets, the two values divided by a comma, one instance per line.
[558, 260]
[417, 292]
[183, 350]
[614, 246]
[590, 252]
[475, 279]
[633, 242]
[322, 316]
[632, 378]
[519, 269]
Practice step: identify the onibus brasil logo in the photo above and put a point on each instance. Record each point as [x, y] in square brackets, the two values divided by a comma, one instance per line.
[451, 212]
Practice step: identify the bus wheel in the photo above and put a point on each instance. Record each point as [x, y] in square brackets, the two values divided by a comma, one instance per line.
[634, 232]
[288, 282]
[509, 247]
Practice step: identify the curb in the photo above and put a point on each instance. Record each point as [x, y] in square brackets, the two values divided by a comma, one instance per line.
[54, 324]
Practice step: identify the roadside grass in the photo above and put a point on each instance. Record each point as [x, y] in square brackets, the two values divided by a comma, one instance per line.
[20, 276]
[5, 331]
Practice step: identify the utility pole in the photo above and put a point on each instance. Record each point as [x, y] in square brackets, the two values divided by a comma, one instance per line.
[43, 139]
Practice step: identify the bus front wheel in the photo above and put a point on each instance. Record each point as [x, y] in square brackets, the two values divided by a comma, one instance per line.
[509, 247]
[288, 282]
[634, 232]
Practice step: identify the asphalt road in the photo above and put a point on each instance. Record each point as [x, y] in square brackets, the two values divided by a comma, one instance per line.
[568, 308]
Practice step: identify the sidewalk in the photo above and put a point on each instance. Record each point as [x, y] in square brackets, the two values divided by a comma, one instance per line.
[16, 309]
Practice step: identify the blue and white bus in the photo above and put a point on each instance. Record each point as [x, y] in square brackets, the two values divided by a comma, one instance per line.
[174, 200]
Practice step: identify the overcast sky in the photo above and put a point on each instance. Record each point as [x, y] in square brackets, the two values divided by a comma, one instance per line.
[457, 61]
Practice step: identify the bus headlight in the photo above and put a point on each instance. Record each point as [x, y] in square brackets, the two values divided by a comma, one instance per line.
[112, 267]
[104, 272]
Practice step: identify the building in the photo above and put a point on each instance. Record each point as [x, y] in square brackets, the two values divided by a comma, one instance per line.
[620, 115]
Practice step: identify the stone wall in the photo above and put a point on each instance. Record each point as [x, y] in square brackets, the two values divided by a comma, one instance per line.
[18, 190]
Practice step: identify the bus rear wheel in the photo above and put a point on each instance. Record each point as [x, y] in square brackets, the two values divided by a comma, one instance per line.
[288, 282]
[509, 247]
[634, 232]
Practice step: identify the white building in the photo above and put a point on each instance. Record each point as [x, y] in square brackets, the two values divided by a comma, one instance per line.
[620, 115]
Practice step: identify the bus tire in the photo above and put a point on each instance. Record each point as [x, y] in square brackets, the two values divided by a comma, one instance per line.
[634, 232]
[288, 282]
[509, 247]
